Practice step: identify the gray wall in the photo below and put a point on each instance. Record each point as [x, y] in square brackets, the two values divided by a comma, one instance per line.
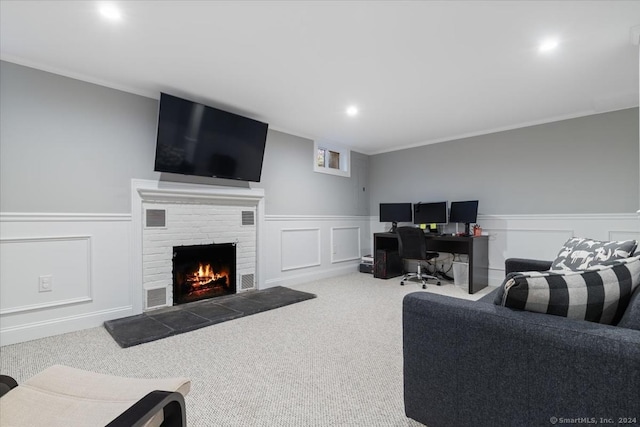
[71, 146]
[582, 165]
[291, 185]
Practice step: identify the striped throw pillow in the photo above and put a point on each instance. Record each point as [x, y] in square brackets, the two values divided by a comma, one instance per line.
[599, 294]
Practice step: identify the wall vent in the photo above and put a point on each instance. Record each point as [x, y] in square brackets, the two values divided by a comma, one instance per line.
[156, 297]
[248, 218]
[156, 218]
[246, 281]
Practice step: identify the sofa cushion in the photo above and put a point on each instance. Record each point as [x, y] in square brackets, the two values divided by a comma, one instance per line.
[579, 253]
[599, 294]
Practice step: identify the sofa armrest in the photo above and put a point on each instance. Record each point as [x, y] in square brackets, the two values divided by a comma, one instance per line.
[470, 363]
[171, 403]
[515, 265]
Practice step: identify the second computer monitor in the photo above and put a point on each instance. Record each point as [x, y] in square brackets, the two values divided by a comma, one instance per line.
[430, 213]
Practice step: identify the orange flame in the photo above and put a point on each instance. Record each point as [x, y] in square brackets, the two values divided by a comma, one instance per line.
[204, 275]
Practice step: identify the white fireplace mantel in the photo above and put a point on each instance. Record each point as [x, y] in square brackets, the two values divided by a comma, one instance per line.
[217, 195]
[143, 191]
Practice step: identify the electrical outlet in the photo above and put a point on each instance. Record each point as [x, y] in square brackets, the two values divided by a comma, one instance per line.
[45, 283]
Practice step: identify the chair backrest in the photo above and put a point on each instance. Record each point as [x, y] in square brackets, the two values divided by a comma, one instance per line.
[411, 243]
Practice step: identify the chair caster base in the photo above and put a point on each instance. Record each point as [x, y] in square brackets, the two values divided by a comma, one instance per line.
[439, 284]
[401, 283]
[424, 286]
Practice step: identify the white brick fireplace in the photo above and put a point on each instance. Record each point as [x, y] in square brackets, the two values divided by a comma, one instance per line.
[166, 215]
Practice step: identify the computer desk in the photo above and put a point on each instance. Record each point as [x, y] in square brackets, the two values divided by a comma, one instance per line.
[477, 248]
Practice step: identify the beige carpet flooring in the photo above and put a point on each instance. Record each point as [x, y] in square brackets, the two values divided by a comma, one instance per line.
[335, 360]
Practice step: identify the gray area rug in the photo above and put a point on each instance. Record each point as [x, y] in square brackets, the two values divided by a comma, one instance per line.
[166, 322]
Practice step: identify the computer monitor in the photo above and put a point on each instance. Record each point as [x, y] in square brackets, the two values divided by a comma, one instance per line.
[395, 213]
[430, 213]
[464, 212]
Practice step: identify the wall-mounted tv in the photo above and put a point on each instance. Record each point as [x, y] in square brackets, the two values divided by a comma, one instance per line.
[195, 139]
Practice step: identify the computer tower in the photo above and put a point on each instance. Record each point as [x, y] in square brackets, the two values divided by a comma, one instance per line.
[387, 264]
[366, 268]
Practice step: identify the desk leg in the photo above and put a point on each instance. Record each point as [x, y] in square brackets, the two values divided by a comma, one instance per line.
[478, 265]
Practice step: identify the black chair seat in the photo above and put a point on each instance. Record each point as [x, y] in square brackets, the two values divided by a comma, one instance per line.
[412, 246]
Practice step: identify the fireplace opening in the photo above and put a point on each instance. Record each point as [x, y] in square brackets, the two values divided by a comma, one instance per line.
[203, 271]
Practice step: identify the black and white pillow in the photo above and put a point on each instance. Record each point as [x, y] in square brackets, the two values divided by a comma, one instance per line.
[580, 254]
[599, 294]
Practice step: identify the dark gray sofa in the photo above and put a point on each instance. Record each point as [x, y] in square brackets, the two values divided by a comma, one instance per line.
[478, 364]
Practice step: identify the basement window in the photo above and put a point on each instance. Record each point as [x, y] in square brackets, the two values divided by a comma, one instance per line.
[331, 159]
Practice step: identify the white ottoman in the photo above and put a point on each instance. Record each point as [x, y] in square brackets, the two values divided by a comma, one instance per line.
[61, 396]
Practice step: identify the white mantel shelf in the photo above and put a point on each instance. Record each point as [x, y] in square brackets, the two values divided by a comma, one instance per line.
[190, 194]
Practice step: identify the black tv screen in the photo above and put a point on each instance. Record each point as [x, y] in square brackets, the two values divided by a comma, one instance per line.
[430, 213]
[195, 139]
[465, 212]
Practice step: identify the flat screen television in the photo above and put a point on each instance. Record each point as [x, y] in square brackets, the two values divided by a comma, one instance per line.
[464, 212]
[195, 139]
[395, 213]
[430, 213]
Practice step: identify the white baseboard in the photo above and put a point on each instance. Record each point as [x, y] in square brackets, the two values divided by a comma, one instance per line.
[311, 276]
[47, 328]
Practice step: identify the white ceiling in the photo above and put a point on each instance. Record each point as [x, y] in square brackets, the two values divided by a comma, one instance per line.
[420, 72]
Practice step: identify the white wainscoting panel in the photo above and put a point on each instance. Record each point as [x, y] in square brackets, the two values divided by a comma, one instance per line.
[89, 259]
[542, 236]
[345, 244]
[300, 248]
[65, 260]
[624, 235]
[533, 244]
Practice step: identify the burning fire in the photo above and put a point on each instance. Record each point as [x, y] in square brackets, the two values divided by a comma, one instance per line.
[205, 275]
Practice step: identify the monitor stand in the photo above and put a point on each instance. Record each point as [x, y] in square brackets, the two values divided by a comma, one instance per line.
[394, 227]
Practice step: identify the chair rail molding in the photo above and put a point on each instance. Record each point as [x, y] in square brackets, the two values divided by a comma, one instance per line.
[62, 217]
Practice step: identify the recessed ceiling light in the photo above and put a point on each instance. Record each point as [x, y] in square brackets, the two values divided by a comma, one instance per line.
[548, 45]
[352, 111]
[110, 12]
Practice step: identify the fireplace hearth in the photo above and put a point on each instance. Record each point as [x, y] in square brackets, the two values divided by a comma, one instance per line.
[203, 271]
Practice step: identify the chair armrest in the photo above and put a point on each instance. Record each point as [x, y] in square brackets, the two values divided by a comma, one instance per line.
[171, 403]
[514, 265]
[6, 384]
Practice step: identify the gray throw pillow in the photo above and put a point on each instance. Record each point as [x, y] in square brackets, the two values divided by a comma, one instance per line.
[580, 254]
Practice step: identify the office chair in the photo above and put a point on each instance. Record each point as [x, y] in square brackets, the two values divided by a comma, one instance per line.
[412, 246]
